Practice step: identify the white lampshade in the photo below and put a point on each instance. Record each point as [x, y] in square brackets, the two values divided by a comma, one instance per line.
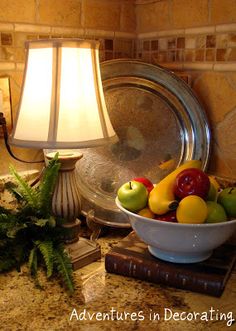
[62, 103]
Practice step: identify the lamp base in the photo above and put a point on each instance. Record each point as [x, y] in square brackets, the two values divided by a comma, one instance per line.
[83, 252]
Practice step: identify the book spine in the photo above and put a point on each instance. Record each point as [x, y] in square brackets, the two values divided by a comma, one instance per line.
[153, 272]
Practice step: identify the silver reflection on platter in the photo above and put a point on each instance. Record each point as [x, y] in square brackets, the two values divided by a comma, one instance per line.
[159, 123]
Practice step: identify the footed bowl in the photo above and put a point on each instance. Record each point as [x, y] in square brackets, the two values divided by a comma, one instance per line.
[178, 242]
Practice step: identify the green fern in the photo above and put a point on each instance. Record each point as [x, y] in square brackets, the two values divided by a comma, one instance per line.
[33, 261]
[46, 249]
[32, 233]
[64, 266]
[47, 185]
[25, 190]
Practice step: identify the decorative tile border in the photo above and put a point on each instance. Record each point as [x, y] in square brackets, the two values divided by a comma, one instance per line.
[113, 44]
[201, 48]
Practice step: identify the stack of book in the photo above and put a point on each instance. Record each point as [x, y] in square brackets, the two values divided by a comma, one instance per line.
[131, 258]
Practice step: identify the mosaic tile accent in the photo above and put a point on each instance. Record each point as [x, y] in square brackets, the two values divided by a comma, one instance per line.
[112, 45]
[204, 48]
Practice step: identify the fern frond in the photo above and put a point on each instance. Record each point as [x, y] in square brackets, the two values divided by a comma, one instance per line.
[33, 261]
[47, 186]
[46, 249]
[64, 267]
[25, 190]
[12, 188]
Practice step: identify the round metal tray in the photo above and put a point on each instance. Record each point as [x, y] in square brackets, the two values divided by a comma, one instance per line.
[160, 124]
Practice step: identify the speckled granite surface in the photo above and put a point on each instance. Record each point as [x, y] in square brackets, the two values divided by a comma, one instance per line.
[107, 302]
[24, 307]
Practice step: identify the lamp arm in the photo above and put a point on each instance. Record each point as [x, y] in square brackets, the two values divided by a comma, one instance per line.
[5, 136]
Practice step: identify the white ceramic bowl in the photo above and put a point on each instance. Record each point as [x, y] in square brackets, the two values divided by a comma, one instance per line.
[177, 242]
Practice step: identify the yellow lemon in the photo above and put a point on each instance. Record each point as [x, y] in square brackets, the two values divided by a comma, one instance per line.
[146, 212]
[192, 210]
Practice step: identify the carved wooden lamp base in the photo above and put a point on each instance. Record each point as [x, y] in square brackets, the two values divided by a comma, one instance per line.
[66, 203]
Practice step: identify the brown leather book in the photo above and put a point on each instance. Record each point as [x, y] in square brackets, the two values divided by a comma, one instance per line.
[131, 258]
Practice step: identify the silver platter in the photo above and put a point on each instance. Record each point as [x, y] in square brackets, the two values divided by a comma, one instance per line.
[160, 124]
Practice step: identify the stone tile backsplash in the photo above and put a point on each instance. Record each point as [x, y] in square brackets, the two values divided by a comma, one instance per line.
[12, 44]
[203, 47]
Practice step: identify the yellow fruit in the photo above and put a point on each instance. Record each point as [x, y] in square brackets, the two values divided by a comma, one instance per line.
[146, 212]
[167, 164]
[161, 198]
[192, 210]
[214, 182]
[214, 188]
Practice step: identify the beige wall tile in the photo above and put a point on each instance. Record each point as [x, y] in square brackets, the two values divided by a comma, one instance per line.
[223, 11]
[101, 14]
[128, 18]
[153, 16]
[217, 94]
[189, 13]
[32, 28]
[7, 66]
[57, 12]
[17, 11]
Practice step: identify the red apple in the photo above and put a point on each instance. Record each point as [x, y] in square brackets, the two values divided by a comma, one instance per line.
[146, 182]
[167, 217]
[191, 181]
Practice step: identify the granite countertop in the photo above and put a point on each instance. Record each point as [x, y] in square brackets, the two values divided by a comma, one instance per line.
[24, 307]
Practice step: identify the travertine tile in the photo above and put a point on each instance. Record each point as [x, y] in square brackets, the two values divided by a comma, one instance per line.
[6, 53]
[197, 66]
[7, 66]
[189, 13]
[163, 43]
[226, 27]
[201, 41]
[232, 40]
[180, 55]
[200, 54]
[17, 11]
[153, 17]
[120, 34]
[210, 41]
[224, 67]
[6, 27]
[31, 28]
[57, 12]
[127, 17]
[19, 54]
[190, 42]
[65, 30]
[200, 30]
[180, 42]
[222, 40]
[19, 39]
[223, 11]
[221, 54]
[217, 93]
[6, 38]
[154, 45]
[210, 54]
[189, 55]
[101, 15]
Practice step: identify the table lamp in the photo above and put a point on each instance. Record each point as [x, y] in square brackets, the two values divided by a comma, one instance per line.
[62, 107]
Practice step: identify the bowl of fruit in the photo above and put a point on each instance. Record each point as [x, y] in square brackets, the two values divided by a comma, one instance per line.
[184, 217]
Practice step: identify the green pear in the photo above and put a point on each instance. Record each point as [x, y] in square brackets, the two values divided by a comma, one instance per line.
[212, 193]
[215, 213]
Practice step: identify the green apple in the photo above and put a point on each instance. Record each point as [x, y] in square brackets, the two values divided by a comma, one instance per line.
[227, 198]
[133, 196]
[215, 213]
